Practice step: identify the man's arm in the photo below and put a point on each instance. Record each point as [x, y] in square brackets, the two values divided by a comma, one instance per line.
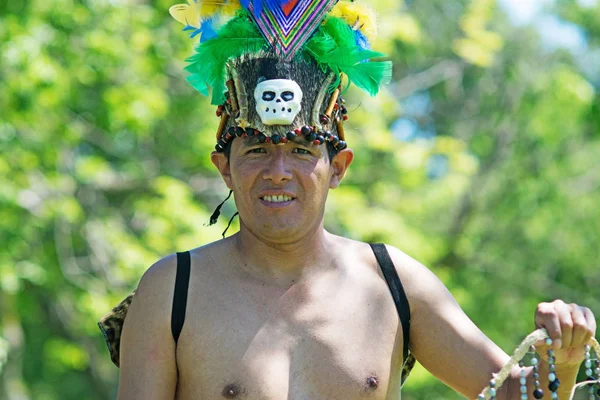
[442, 338]
[449, 345]
[147, 355]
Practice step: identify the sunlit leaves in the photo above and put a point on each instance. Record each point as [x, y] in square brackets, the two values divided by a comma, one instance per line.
[479, 44]
[481, 161]
[66, 355]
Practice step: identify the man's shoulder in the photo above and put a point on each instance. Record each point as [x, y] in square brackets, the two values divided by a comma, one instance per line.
[156, 288]
[423, 288]
[416, 278]
[212, 251]
[161, 275]
[404, 263]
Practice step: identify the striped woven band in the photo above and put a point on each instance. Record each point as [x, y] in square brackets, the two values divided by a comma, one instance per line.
[288, 27]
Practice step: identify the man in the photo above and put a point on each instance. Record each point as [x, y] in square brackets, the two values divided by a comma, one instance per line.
[284, 309]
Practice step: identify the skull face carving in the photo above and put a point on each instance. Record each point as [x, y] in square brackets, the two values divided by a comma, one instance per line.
[278, 101]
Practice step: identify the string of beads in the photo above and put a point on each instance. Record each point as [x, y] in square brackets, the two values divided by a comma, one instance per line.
[591, 364]
[310, 133]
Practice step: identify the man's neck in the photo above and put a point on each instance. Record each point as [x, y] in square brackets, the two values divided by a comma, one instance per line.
[283, 263]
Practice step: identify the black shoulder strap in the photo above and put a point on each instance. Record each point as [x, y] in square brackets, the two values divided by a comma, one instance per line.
[182, 280]
[393, 281]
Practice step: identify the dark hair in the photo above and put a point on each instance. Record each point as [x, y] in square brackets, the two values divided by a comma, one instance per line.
[331, 151]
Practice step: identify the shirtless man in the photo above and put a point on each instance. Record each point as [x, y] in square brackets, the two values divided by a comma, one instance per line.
[284, 310]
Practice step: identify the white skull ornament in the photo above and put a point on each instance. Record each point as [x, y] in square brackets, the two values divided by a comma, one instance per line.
[278, 101]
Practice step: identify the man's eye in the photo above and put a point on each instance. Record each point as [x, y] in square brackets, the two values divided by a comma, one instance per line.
[257, 150]
[301, 151]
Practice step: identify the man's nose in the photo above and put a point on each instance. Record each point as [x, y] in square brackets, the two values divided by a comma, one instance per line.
[277, 170]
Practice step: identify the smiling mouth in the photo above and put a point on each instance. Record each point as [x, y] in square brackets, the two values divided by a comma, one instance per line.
[282, 198]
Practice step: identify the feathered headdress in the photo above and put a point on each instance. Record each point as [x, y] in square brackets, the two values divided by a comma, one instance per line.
[341, 42]
[331, 38]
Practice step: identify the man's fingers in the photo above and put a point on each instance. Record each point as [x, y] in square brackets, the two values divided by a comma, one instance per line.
[591, 323]
[566, 323]
[581, 333]
[547, 317]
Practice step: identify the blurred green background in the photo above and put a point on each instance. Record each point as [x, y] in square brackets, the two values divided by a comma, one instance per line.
[481, 159]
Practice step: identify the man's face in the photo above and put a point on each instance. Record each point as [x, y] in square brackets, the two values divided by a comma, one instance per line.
[280, 190]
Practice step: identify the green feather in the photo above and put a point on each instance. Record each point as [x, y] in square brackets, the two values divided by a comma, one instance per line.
[334, 47]
[207, 67]
[339, 31]
[367, 75]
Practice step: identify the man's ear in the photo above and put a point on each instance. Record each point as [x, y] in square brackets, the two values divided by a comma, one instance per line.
[340, 163]
[222, 164]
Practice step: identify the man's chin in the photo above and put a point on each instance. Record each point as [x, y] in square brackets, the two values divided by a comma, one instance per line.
[278, 231]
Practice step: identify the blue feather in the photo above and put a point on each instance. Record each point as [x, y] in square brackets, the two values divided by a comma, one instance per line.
[206, 30]
[194, 30]
[196, 33]
[361, 40]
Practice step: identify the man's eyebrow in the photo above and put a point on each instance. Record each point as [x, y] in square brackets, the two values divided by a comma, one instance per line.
[299, 140]
[250, 140]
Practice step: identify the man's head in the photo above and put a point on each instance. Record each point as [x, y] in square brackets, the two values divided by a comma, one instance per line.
[280, 189]
[277, 78]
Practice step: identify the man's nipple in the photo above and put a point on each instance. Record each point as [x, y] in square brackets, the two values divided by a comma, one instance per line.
[372, 382]
[231, 391]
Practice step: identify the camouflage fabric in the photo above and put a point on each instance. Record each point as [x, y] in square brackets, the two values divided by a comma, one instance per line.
[111, 326]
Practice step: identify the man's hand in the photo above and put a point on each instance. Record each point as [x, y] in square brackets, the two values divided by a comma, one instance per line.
[570, 327]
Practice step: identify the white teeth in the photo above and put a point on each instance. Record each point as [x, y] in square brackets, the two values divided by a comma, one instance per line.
[277, 199]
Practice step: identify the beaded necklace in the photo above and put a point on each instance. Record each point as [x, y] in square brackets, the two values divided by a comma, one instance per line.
[592, 367]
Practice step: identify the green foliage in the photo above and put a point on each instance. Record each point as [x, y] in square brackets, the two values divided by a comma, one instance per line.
[485, 168]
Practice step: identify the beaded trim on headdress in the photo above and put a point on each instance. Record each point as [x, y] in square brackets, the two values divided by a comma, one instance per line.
[311, 45]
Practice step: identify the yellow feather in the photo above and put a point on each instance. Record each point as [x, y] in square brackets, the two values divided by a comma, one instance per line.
[208, 8]
[231, 7]
[358, 16]
[211, 7]
[197, 10]
[187, 14]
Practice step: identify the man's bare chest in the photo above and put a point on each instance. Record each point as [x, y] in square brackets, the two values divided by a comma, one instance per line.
[333, 337]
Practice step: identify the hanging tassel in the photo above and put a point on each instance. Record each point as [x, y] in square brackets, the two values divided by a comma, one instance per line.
[229, 224]
[215, 216]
